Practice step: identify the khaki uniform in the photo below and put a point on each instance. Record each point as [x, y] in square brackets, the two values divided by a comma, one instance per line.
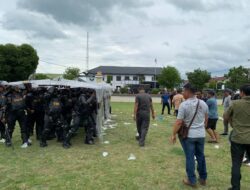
[239, 112]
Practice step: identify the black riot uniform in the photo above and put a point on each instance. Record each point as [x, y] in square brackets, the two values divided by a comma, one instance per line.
[53, 117]
[68, 101]
[93, 106]
[2, 113]
[16, 111]
[81, 115]
[30, 112]
[35, 109]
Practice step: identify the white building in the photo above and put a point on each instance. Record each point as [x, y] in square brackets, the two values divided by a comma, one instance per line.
[121, 76]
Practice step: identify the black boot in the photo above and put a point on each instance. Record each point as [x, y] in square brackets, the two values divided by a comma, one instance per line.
[89, 142]
[66, 145]
[8, 141]
[8, 144]
[43, 143]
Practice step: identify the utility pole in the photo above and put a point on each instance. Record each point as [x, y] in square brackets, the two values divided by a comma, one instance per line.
[87, 53]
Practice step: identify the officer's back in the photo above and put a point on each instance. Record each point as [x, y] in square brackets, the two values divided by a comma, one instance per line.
[144, 101]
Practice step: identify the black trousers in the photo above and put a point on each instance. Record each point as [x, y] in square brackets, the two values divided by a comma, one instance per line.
[52, 122]
[142, 123]
[237, 153]
[67, 115]
[36, 118]
[78, 120]
[12, 118]
[93, 117]
[163, 107]
[30, 123]
[2, 130]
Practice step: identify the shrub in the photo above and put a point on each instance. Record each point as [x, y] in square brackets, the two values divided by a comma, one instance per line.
[124, 90]
[155, 91]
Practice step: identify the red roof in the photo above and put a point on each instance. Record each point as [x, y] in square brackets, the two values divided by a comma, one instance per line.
[218, 79]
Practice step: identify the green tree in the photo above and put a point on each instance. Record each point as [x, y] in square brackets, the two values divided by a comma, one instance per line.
[17, 62]
[199, 78]
[170, 77]
[141, 78]
[71, 73]
[212, 85]
[109, 79]
[237, 76]
[40, 76]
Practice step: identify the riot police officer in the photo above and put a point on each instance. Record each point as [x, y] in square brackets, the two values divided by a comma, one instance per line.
[35, 108]
[53, 116]
[68, 103]
[81, 115]
[93, 106]
[16, 111]
[2, 113]
[30, 112]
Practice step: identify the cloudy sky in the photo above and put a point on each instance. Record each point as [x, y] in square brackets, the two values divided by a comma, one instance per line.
[187, 34]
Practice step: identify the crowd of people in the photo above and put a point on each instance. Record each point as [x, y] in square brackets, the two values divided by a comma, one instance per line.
[197, 113]
[58, 112]
[54, 112]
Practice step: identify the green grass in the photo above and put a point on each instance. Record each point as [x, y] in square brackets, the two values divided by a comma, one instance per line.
[158, 166]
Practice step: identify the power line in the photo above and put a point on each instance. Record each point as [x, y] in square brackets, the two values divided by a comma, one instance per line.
[53, 63]
[68, 58]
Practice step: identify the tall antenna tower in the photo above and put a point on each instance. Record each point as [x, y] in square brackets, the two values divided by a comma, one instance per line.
[87, 53]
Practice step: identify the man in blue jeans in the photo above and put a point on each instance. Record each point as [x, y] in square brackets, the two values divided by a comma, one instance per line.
[165, 102]
[193, 145]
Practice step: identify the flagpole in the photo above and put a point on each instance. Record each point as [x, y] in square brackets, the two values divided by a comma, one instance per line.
[155, 71]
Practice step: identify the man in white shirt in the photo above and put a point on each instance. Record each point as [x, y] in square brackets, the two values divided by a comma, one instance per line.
[193, 145]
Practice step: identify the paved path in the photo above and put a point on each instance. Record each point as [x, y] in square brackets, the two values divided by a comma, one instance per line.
[132, 99]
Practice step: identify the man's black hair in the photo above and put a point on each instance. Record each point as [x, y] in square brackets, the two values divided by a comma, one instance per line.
[141, 88]
[190, 87]
[245, 89]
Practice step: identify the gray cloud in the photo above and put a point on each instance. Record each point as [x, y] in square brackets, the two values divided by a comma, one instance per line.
[216, 57]
[163, 22]
[80, 12]
[188, 34]
[166, 44]
[204, 5]
[33, 24]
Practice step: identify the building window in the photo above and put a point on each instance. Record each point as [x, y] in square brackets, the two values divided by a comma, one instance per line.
[118, 78]
[135, 78]
[127, 78]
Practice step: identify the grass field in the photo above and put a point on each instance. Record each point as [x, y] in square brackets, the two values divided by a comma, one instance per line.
[157, 166]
